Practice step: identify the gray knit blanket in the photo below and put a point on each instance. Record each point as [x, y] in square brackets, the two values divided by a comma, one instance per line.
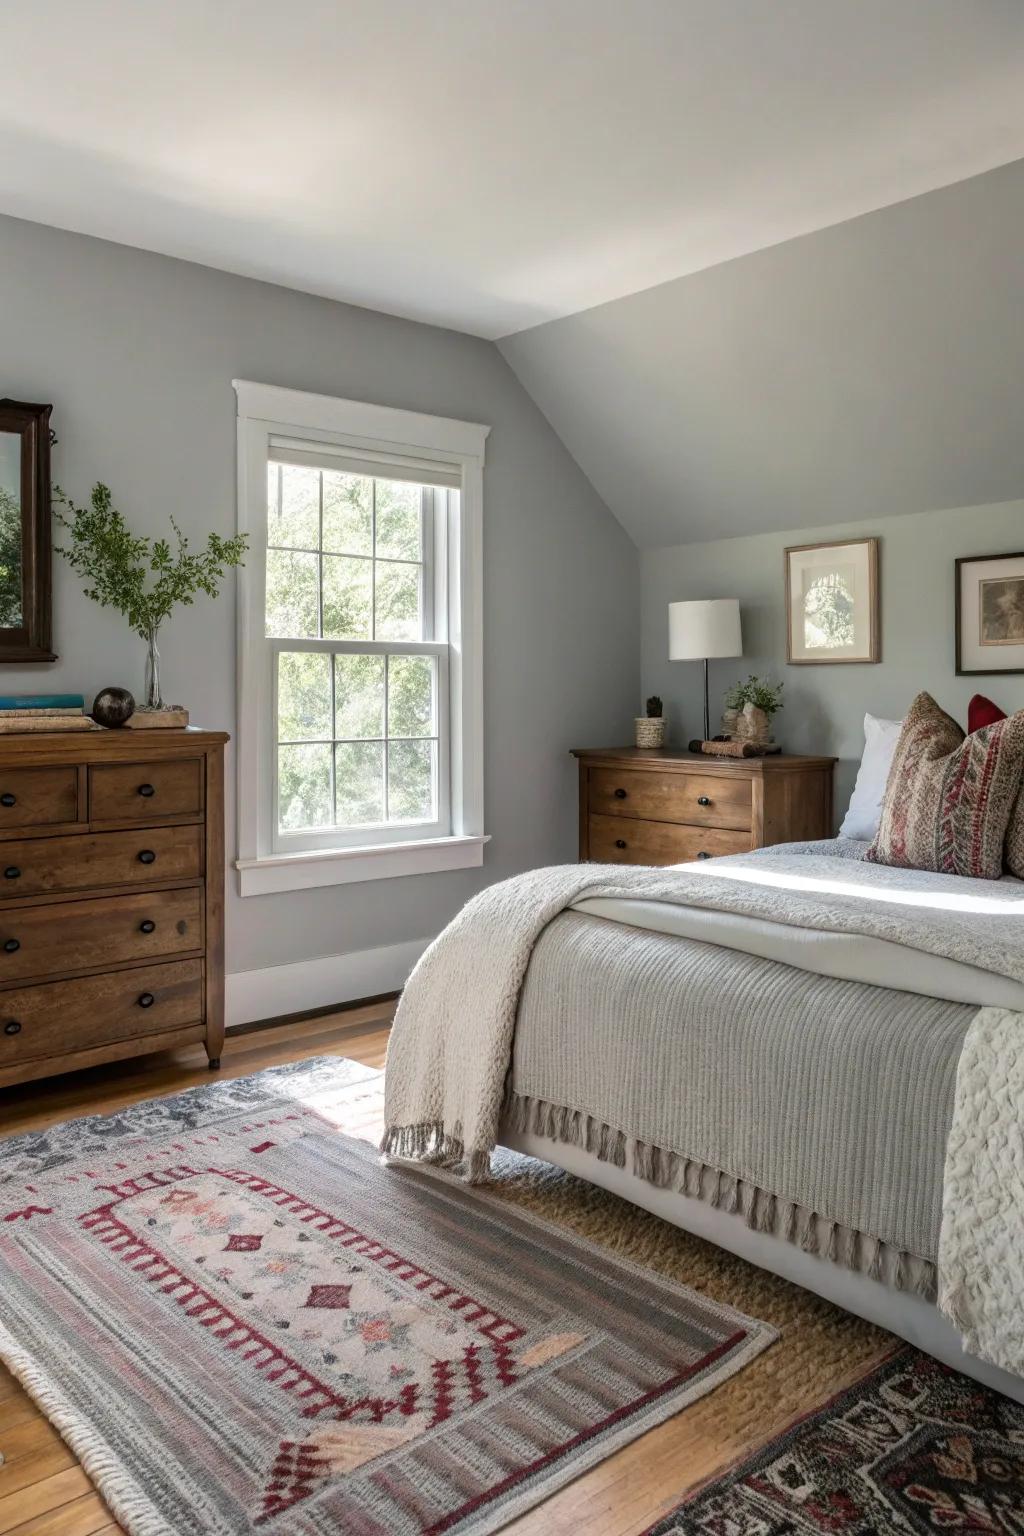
[448, 1078]
[451, 1042]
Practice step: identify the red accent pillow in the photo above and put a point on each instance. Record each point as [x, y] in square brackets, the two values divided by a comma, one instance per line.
[982, 712]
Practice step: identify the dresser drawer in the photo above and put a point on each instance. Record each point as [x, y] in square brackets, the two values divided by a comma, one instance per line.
[37, 797]
[618, 840]
[63, 1016]
[145, 792]
[106, 858]
[82, 935]
[699, 799]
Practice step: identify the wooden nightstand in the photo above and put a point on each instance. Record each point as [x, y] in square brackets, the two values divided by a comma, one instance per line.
[662, 807]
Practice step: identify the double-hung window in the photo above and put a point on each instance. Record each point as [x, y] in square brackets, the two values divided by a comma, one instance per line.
[360, 731]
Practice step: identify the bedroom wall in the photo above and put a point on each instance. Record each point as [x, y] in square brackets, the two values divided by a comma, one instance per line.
[825, 705]
[137, 353]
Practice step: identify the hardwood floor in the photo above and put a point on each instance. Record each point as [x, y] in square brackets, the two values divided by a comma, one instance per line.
[43, 1491]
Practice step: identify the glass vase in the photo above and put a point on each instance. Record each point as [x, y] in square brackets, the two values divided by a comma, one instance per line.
[154, 699]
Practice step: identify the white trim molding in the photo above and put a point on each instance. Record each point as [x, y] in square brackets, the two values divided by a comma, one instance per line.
[277, 990]
[380, 434]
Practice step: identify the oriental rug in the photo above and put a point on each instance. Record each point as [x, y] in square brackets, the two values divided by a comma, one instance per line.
[240, 1320]
[914, 1447]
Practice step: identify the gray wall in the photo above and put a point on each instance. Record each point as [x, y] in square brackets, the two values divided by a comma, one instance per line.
[825, 705]
[866, 370]
[137, 353]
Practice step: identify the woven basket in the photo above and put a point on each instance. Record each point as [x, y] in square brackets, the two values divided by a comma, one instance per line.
[650, 731]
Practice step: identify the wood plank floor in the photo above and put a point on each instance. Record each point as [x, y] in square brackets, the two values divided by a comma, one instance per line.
[43, 1491]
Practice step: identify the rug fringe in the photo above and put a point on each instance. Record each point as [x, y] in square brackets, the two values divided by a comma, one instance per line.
[763, 1210]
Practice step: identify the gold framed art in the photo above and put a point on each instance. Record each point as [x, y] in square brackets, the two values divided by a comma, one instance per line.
[832, 611]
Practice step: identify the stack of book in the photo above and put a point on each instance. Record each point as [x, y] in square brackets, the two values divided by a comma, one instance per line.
[26, 712]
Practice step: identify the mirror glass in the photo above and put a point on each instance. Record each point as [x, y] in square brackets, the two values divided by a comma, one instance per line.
[11, 615]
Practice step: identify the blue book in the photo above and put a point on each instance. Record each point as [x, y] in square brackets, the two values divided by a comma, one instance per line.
[42, 701]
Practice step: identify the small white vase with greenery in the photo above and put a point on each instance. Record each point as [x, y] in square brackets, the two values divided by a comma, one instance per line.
[749, 708]
[142, 578]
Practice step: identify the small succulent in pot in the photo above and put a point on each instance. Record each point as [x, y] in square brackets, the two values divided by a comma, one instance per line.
[650, 728]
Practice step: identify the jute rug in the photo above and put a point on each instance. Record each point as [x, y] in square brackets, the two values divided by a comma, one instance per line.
[238, 1319]
[913, 1447]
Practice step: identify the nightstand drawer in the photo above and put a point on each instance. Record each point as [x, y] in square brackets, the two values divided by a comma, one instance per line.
[111, 930]
[622, 840]
[697, 799]
[38, 797]
[145, 792]
[62, 1016]
[109, 858]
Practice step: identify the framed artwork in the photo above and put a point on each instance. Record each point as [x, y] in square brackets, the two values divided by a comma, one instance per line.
[989, 614]
[24, 532]
[832, 603]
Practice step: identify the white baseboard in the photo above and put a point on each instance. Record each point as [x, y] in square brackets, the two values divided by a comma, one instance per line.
[283, 989]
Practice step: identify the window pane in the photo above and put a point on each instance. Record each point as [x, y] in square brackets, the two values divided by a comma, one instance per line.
[359, 695]
[291, 594]
[295, 521]
[348, 601]
[359, 775]
[348, 513]
[398, 520]
[304, 787]
[303, 696]
[398, 602]
[411, 779]
[410, 695]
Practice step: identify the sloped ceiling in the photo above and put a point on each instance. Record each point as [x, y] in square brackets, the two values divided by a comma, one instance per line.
[869, 369]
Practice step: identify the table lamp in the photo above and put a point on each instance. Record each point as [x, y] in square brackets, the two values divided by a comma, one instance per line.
[698, 631]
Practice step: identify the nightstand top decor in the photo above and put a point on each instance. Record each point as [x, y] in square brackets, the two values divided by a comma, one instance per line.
[681, 760]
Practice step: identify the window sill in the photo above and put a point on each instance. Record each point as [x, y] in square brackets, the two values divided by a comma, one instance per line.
[341, 866]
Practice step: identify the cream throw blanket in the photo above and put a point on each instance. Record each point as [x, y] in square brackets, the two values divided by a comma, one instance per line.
[451, 1044]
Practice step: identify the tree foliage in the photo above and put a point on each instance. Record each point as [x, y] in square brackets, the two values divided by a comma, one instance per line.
[10, 561]
[144, 579]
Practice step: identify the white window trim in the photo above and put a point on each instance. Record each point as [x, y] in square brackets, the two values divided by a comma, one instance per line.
[265, 410]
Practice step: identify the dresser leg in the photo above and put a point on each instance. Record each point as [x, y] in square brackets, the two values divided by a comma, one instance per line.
[214, 1063]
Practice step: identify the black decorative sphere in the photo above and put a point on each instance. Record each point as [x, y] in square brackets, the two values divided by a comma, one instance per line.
[112, 707]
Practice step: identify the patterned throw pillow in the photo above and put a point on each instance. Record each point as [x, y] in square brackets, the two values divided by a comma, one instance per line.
[981, 712]
[949, 797]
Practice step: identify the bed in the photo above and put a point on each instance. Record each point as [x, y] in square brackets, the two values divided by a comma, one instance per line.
[804, 1057]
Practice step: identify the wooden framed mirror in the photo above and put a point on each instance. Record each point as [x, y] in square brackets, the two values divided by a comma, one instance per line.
[25, 603]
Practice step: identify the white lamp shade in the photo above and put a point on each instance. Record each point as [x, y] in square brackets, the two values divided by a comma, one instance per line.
[700, 630]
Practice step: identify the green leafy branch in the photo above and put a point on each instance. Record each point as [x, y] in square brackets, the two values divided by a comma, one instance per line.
[757, 691]
[143, 579]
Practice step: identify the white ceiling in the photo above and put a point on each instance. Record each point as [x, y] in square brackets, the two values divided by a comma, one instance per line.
[493, 164]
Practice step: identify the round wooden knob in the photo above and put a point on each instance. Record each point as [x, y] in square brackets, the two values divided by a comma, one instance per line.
[12, 1027]
[146, 999]
[147, 856]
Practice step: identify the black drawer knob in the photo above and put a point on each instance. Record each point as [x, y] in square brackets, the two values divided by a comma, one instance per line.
[8, 799]
[11, 946]
[620, 794]
[12, 1027]
[12, 872]
[703, 855]
[620, 842]
[146, 999]
[147, 925]
[703, 800]
[146, 791]
[147, 856]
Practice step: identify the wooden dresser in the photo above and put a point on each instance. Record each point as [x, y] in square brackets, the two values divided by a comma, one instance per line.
[111, 897]
[639, 806]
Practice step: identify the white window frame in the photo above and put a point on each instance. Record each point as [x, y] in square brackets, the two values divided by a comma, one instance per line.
[373, 434]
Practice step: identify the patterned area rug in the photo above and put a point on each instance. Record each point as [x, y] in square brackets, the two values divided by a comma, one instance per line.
[239, 1319]
[914, 1447]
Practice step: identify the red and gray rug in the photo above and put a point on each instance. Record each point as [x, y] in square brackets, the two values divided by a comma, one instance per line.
[913, 1447]
[240, 1320]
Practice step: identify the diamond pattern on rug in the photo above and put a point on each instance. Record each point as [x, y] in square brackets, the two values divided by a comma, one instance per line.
[334, 1296]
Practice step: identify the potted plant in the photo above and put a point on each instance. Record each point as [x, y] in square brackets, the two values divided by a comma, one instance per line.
[650, 728]
[144, 579]
[749, 709]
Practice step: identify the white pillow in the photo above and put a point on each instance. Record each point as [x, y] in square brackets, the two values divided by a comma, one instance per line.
[880, 738]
